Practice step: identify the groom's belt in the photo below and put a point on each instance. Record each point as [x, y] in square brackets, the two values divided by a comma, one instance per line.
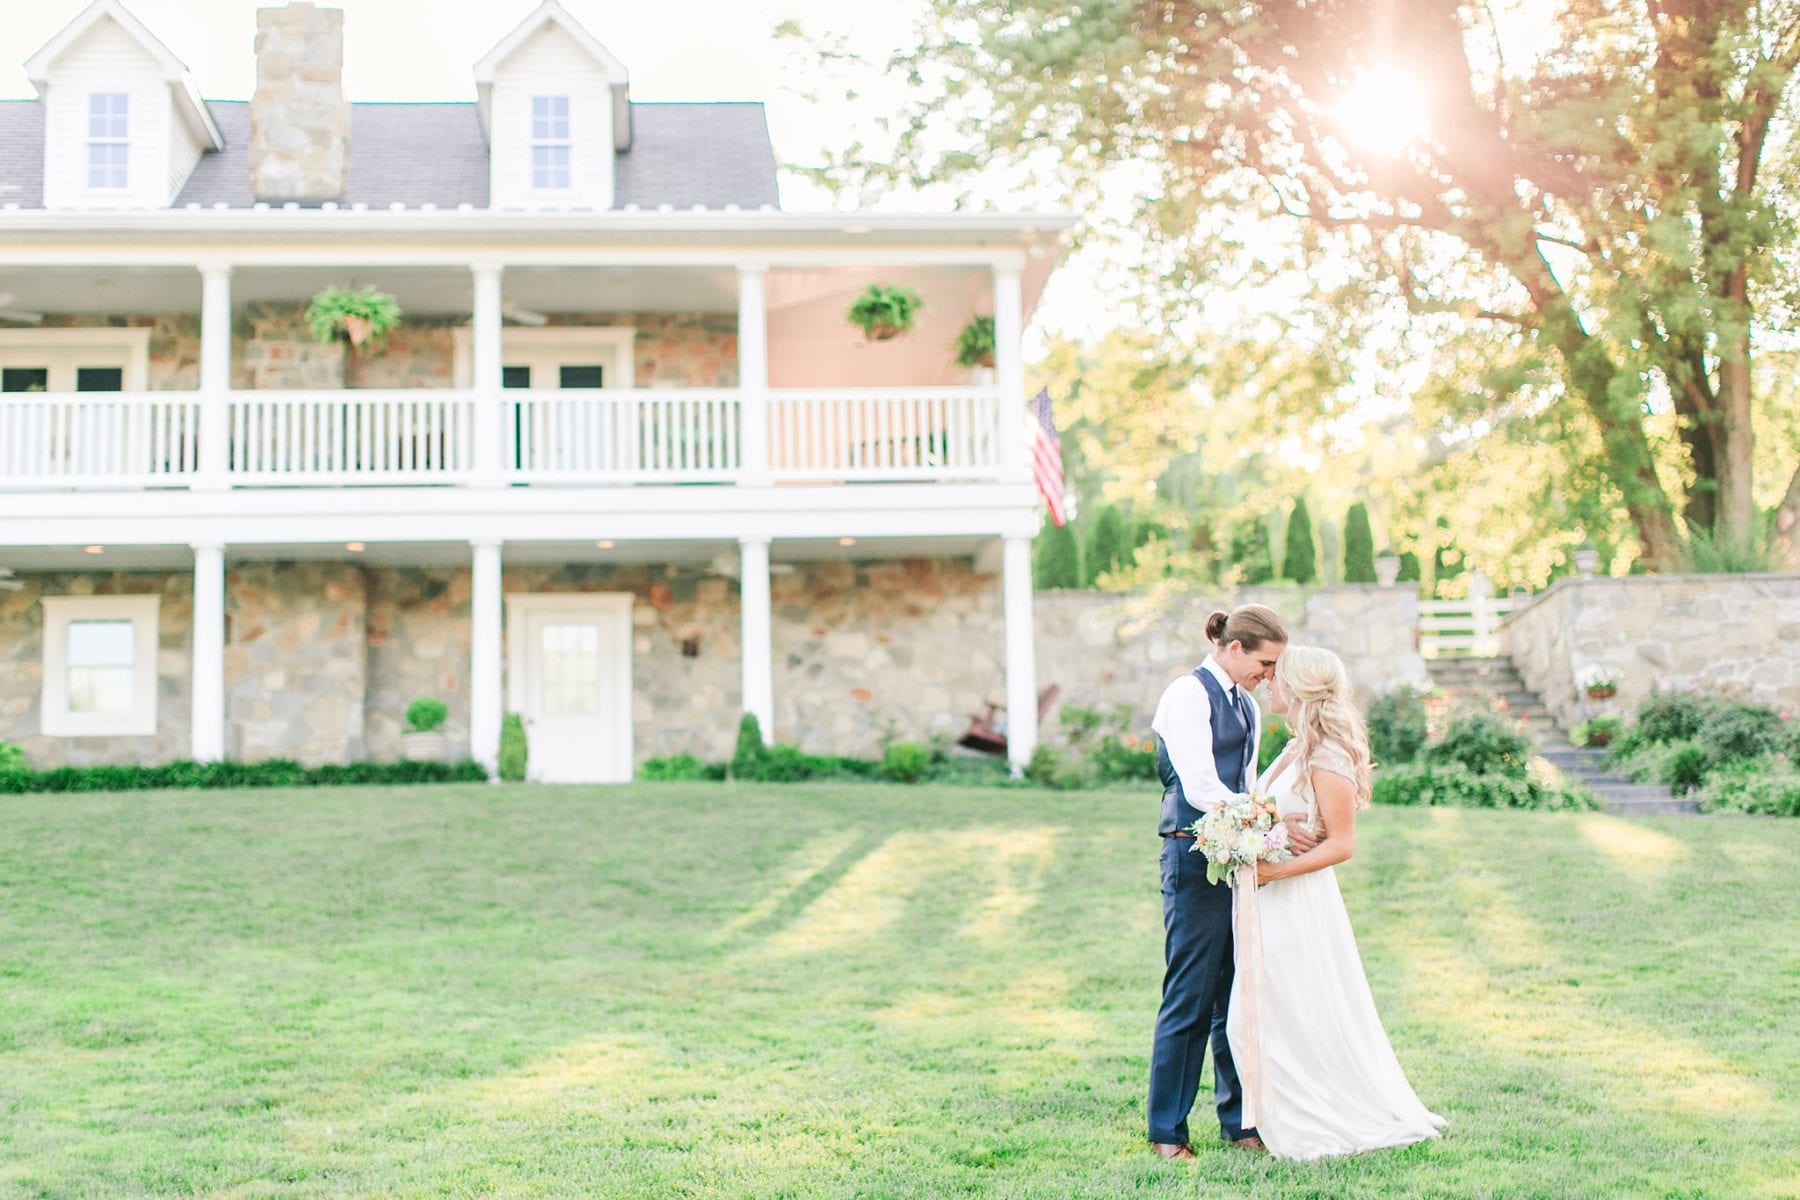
[1180, 834]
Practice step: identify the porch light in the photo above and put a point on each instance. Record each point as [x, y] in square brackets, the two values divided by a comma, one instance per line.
[355, 547]
[96, 549]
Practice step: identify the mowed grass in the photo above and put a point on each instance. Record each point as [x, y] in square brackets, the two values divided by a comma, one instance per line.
[825, 991]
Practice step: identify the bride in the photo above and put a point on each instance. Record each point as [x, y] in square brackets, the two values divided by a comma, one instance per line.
[1323, 1079]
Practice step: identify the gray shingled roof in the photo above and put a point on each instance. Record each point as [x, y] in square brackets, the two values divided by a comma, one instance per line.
[712, 155]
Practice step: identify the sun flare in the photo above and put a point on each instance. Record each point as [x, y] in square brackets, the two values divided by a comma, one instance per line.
[1384, 110]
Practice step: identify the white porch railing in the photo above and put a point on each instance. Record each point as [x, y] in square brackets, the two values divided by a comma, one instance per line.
[883, 433]
[98, 439]
[402, 436]
[1462, 628]
[427, 436]
[624, 435]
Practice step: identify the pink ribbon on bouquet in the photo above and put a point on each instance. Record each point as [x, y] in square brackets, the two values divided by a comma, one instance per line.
[1247, 950]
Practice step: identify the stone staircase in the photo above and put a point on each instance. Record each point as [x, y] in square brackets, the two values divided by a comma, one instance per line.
[1495, 682]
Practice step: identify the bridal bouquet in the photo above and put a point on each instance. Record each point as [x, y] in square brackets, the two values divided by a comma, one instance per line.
[1243, 831]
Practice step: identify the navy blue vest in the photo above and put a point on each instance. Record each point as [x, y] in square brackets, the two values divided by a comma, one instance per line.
[1232, 745]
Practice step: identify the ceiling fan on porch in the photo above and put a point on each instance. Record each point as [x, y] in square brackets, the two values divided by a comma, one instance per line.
[17, 316]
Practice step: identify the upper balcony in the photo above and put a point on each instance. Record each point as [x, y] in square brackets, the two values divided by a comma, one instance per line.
[204, 376]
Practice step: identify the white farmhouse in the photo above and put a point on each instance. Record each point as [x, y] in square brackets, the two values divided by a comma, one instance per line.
[623, 469]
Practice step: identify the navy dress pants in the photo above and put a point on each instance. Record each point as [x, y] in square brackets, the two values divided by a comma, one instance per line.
[1196, 990]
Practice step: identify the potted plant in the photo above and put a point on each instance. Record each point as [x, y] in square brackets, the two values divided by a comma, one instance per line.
[1599, 683]
[883, 311]
[975, 343]
[361, 317]
[1599, 731]
[423, 738]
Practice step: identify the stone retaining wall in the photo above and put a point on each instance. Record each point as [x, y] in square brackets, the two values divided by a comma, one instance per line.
[1734, 634]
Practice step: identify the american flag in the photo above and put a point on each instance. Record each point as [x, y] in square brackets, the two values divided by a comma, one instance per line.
[1046, 458]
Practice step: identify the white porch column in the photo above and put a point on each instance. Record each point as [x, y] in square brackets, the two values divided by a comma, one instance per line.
[1009, 369]
[1021, 654]
[490, 442]
[215, 377]
[753, 375]
[484, 656]
[758, 635]
[208, 683]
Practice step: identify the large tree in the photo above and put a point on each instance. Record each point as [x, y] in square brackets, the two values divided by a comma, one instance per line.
[1616, 201]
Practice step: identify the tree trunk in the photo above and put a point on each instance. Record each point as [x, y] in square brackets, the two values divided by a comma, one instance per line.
[1737, 438]
[1787, 528]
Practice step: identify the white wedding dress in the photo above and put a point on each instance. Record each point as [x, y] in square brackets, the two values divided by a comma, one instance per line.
[1330, 1082]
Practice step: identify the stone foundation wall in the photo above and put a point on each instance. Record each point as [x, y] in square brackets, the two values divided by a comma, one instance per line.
[323, 658]
[296, 661]
[1734, 634]
[22, 668]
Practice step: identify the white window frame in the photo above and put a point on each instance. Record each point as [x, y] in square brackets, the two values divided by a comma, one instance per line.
[55, 719]
[121, 138]
[543, 137]
[66, 351]
[550, 348]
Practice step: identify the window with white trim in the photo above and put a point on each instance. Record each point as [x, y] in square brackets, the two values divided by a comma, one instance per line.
[99, 665]
[550, 142]
[108, 145]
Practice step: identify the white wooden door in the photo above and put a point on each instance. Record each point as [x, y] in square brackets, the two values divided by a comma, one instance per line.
[571, 682]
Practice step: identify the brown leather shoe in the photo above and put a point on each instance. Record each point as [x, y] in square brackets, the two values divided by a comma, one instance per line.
[1253, 1143]
[1173, 1149]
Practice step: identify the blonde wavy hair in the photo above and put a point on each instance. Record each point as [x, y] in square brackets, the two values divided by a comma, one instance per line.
[1323, 716]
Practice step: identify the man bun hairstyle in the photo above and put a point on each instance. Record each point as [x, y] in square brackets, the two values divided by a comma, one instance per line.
[1250, 625]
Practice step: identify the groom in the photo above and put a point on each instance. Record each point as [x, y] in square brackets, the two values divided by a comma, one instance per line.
[1207, 731]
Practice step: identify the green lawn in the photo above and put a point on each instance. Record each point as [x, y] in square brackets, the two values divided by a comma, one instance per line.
[697, 990]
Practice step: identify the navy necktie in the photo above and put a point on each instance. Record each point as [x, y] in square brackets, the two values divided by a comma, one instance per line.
[1241, 703]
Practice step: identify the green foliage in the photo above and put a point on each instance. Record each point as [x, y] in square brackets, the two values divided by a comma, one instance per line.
[1482, 742]
[267, 773]
[975, 343]
[905, 762]
[1301, 562]
[1359, 545]
[1104, 746]
[1687, 739]
[680, 768]
[1771, 793]
[514, 753]
[1451, 784]
[1410, 571]
[1277, 733]
[1397, 726]
[748, 754]
[1248, 551]
[1107, 546]
[12, 758]
[1057, 562]
[882, 310]
[1059, 770]
[364, 316]
[1598, 731]
[426, 715]
[1707, 552]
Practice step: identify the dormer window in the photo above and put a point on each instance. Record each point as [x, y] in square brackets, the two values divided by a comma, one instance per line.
[550, 142]
[107, 143]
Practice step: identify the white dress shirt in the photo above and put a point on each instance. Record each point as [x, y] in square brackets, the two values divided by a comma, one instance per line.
[1184, 722]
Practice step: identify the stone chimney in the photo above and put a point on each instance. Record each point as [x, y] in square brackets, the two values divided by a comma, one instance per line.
[299, 118]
